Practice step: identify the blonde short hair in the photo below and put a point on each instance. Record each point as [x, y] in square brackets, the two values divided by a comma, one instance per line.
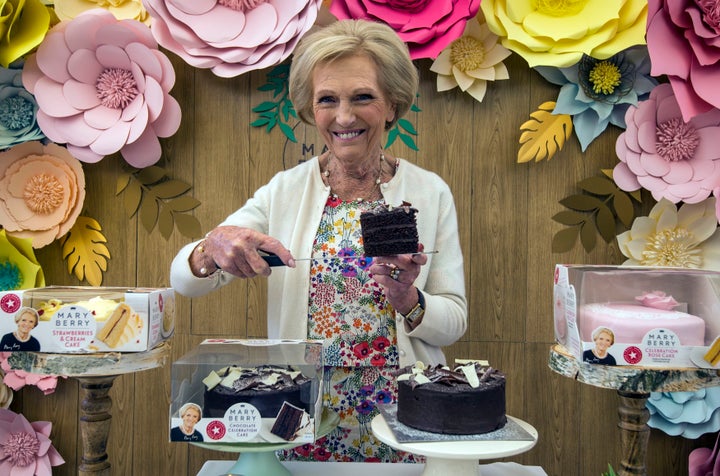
[607, 331]
[397, 75]
[27, 310]
[189, 405]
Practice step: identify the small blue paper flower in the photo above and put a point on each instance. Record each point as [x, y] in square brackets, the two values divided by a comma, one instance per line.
[599, 92]
[18, 109]
[689, 414]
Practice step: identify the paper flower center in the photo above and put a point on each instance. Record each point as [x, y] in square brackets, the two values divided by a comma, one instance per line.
[43, 193]
[672, 248]
[10, 276]
[676, 140]
[467, 53]
[116, 88]
[16, 113]
[560, 8]
[711, 10]
[241, 5]
[20, 449]
[605, 77]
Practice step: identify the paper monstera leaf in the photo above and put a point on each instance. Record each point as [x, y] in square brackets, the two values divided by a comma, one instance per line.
[544, 135]
[83, 247]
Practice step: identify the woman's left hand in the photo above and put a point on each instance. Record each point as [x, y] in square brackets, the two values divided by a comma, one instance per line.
[397, 275]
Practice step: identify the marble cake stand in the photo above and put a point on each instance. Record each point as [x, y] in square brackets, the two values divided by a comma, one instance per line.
[633, 385]
[457, 458]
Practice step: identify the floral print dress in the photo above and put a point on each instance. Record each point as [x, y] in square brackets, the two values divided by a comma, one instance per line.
[348, 311]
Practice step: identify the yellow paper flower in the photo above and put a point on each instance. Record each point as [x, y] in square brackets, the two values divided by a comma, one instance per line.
[558, 33]
[23, 25]
[686, 237]
[19, 269]
[471, 61]
[121, 9]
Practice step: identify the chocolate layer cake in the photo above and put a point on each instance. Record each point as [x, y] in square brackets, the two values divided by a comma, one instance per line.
[288, 422]
[265, 387]
[468, 400]
[389, 231]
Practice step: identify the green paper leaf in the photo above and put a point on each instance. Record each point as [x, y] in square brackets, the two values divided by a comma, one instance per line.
[408, 141]
[288, 131]
[264, 106]
[407, 125]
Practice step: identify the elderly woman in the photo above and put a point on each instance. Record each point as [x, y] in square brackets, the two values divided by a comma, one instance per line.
[190, 413]
[26, 319]
[352, 80]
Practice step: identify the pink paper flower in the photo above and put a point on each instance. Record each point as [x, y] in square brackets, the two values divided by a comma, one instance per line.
[17, 379]
[660, 152]
[657, 300]
[103, 86]
[231, 37]
[683, 38]
[25, 448]
[427, 26]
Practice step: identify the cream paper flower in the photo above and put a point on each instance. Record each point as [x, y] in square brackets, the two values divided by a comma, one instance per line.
[121, 9]
[471, 61]
[686, 237]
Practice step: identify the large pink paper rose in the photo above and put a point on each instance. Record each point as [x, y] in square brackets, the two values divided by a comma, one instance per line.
[427, 26]
[683, 39]
[102, 86]
[231, 37]
[660, 152]
[26, 448]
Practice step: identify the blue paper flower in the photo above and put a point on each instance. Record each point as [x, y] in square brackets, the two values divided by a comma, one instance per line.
[598, 92]
[689, 414]
[18, 109]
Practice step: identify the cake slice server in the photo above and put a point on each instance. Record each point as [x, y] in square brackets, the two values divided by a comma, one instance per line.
[273, 259]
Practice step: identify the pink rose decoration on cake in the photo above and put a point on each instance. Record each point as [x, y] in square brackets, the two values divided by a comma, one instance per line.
[657, 300]
[231, 37]
[662, 153]
[427, 26]
[102, 86]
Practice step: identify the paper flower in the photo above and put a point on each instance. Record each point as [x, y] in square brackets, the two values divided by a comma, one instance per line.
[122, 9]
[685, 238]
[559, 33]
[231, 37]
[427, 26]
[683, 37]
[23, 26]
[687, 414]
[25, 448]
[17, 379]
[42, 191]
[599, 92]
[471, 61]
[18, 109]
[657, 300]
[660, 152]
[19, 269]
[103, 86]
[6, 393]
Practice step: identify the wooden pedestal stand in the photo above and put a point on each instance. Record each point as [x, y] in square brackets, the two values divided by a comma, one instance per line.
[96, 374]
[633, 385]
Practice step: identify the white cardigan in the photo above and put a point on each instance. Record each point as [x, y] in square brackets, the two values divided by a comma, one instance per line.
[289, 209]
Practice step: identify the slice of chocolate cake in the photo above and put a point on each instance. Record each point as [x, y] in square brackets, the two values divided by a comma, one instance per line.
[388, 231]
[289, 420]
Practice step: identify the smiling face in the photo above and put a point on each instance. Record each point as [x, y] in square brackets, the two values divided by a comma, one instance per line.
[190, 417]
[350, 108]
[603, 341]
[27, 322]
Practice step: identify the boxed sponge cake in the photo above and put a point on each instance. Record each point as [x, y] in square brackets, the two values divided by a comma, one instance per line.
[79, 319]
[643, 316]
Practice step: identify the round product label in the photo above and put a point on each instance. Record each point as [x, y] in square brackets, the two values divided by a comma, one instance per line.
[73, 327]
[243, 422]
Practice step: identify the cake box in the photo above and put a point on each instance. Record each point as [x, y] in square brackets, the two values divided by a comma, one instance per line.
[265, 391]
[638, 316]
[85, 319]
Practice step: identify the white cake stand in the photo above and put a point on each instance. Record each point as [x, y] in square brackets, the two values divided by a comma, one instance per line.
[457, 458]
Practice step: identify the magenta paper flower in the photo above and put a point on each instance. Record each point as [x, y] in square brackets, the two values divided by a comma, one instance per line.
[231, 37]
[17, 379]
[427, 26]
[660, 152]
[102, 86]
[683, 38]
[25, 448]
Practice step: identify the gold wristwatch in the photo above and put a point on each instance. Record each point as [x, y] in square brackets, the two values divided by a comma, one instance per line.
[417, 311]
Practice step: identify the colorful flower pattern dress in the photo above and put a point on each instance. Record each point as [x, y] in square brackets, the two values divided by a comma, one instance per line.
[349, 312]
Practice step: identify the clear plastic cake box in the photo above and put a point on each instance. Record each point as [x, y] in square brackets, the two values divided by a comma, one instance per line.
[696, 292]
[242, 422]
[87, 319]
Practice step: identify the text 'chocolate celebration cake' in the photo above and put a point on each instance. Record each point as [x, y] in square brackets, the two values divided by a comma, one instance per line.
[466, 400]
[265, 387]
[388, 231]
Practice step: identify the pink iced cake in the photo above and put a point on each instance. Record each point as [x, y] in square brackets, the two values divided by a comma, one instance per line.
[630, 322]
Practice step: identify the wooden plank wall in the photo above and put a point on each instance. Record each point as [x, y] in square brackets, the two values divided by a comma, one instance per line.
[506, 229]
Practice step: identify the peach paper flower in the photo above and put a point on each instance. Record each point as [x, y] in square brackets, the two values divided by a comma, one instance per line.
[103, 86]
[683, 38]
[25, 448]
[660, 152]
[231, 37]
[42, 191]
[471, 61]
[19, 268]
[122, 9]
[548, 33]
[427, 26]
[23, 25]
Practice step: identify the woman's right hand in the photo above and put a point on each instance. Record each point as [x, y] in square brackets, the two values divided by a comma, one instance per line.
[237, 250]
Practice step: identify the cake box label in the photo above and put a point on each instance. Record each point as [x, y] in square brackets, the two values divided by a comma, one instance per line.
[73, 327]
[243, 422]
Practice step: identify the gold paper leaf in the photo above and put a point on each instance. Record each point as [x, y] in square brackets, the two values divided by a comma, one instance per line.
[150, 175]
[598, 186]
[188, 225]
[564, 240]
[132, 197]
[605, 221]
[183, 204]
[588, 236]
[637, 194]
[171, 188]
[148, 213]
[624, 208]
[569, 217]
[122, 182]
[581, 202]
[83, 247]
[165, 222]
[544, 134]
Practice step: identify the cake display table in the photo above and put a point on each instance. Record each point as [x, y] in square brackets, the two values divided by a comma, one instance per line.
[633, 385]
[96, 374]
[457, 458]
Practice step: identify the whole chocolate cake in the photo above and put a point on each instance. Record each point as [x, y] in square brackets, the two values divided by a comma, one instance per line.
[467, 400]
[388, 231]
[265, 388]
